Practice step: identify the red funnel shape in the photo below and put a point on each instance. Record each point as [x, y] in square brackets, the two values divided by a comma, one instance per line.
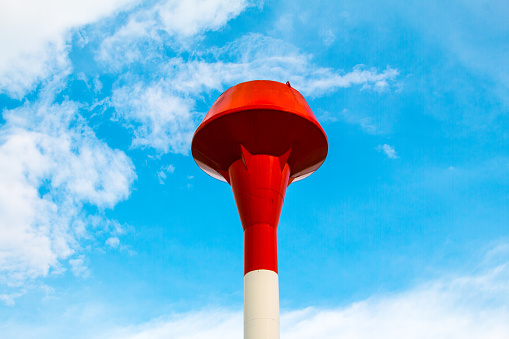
[259, 185]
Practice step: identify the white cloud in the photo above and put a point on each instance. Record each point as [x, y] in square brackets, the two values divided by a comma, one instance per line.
[78, 266]
[158, 117]
[51, 164]
[34, 35]
[163, 172]
[113, 242]
[8, 299]
[388, 150]
[173, 22]
[328, 36]
[192, 17]
[469, 306]
[368, 78]
[137, 41]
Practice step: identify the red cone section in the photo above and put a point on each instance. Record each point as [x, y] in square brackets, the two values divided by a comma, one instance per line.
[259, 185]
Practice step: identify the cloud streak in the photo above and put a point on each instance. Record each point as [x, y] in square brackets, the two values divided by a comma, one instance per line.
[388, 150]
[170, 23]
[465, 306]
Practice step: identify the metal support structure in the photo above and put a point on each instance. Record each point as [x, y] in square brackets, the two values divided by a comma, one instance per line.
[259, 184]
[260, 136]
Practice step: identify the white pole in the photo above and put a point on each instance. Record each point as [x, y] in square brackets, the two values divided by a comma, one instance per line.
[261, 305]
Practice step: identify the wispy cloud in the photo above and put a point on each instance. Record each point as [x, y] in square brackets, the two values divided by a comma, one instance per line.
[204, 324]
[328, 36]
[462, 306]
[365, 122]
[78, 266]
[389, 151]
[157, 117]
[187, 18]
[113, 242]
[163, 173]
[327, 81]
[9, 298]
[170, 23]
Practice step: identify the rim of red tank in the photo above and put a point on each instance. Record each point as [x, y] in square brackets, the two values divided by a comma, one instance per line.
[260, 106]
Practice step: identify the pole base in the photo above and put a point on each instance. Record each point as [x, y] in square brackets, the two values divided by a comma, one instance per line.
[261, 305]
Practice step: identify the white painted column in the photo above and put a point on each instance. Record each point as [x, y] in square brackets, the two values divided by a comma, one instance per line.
[261, 305]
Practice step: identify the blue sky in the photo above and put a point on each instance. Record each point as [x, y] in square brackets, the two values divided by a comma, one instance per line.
[108, 229]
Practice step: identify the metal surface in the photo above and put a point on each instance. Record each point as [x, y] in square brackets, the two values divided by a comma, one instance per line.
[266, 117]
[260, 136]
[259, 184]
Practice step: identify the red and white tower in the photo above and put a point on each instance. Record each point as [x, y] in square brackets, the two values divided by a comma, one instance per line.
[260, 136]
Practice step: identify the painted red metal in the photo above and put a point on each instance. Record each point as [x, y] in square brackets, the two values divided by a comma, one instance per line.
[259, 184]
[260, 136]
[266, 117]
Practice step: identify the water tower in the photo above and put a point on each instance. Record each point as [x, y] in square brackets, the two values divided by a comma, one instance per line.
[260, 136]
